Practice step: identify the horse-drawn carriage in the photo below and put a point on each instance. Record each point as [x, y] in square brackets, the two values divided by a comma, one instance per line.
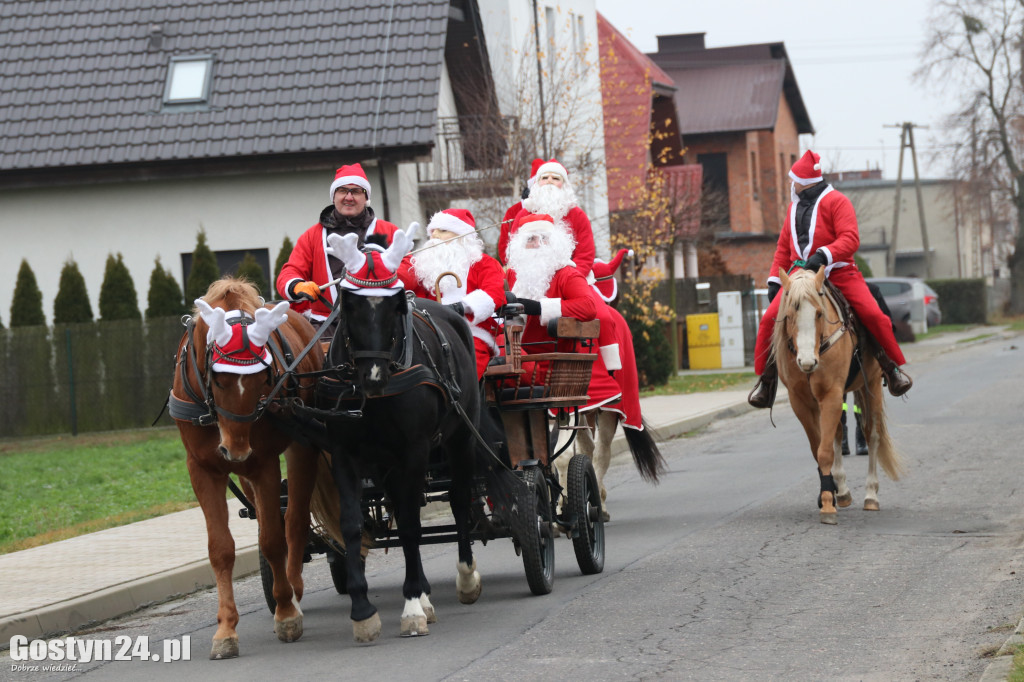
[395, 413]
[533, 403]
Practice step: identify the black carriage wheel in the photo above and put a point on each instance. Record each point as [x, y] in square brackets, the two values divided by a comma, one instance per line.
[267, 577]
[535, 539]
[585, 507]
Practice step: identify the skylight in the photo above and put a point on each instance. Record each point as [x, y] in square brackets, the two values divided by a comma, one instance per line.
[188, 79]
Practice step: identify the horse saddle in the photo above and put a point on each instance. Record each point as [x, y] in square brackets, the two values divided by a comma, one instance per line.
[849, 324]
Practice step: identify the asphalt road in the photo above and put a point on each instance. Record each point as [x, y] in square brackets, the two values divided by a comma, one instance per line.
[722, 572]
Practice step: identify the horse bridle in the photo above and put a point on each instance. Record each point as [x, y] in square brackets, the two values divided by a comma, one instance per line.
[824, 343]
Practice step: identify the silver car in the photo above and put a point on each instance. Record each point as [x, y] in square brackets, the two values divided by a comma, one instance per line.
[898, 293]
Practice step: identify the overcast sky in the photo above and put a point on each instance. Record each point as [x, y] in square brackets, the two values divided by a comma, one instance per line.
[853, 61]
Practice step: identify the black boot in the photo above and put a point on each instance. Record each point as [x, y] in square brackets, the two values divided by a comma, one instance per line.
[763, 394]
[897, 380]
[846, 442]
[862, 446]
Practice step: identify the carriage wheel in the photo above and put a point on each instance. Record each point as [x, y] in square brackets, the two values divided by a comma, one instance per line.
[585, 507]
[267, 576]
[535, 534]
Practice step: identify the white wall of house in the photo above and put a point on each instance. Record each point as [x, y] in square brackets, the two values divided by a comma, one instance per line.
[143, 220]
[957, 240]
[572, 25]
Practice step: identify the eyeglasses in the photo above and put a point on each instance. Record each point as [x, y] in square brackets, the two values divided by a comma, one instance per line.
[354, 191]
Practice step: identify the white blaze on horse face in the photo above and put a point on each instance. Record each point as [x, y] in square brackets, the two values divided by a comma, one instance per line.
[806, 337]
[375, 372]
[241, 387]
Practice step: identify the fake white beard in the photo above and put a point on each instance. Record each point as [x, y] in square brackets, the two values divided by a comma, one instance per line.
[534, 268]
[455, 255]
[551, 200]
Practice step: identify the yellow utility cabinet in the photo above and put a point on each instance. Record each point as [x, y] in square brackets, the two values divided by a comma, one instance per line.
[703, 342]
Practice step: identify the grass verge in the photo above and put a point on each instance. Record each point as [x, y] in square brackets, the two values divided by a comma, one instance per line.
[701, 383]
[942, 329]
[1017, 670]
[56, 488]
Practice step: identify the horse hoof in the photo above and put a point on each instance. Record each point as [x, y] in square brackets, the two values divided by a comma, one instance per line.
[871, 505]
[829, 518]
[467, 597]
[845, 500]
[414, 626]
[224, 648]
[289, 629]
[428, 609]
[366, 630]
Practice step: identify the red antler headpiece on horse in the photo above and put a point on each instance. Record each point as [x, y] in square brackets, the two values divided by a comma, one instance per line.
[372, 271]
[239, 342]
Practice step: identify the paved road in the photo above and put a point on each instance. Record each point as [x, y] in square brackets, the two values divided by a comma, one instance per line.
[720, 573]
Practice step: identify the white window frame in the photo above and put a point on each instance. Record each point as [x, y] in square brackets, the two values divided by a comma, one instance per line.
[204, 97]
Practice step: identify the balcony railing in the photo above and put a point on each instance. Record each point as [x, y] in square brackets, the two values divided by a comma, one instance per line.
[468, 150]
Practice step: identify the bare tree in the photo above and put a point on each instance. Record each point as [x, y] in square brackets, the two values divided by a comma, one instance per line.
[977, 45]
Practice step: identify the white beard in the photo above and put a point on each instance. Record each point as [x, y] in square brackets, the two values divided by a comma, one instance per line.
[551, 200]
[456, 255]
[535, 268]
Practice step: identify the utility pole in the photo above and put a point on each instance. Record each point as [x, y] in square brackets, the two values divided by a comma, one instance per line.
[907, 140]
[540, 81]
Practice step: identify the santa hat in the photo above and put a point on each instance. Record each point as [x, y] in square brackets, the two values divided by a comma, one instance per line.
[456, 220]
[350, 175]
[533, 222]
[374, 270]
[551, 166]
[534, 167]
[239, 341]
[807, 170]
[602, 277]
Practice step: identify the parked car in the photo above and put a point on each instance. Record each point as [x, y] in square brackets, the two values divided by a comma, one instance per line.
[900, 292]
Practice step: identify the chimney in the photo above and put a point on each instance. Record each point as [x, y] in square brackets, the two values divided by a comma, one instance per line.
[681, 42]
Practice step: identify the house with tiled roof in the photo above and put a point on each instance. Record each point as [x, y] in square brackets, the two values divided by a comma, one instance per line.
[127, 125]
[642, 136]
[740, 115]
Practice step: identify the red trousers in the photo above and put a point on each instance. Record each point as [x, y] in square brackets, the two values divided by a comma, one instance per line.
[849, 281]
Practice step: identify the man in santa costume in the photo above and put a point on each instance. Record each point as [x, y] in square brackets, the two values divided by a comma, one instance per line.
[542, 278]
[455, 247]
[310, 265]
[552, 195]
[820, 231]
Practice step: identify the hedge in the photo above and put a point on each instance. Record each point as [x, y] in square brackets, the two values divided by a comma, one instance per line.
[962, 301]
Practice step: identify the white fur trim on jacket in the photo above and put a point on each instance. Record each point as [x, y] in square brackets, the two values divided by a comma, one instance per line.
[480, 304]
[485, 336]
[610, 355]
[550, 309]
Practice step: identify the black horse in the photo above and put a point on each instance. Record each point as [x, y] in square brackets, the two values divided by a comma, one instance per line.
[411, 371]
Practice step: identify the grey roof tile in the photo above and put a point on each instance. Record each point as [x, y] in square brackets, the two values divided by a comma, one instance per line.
[80, 84]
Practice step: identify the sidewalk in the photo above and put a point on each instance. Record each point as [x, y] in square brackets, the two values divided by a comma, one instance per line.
[65, 585]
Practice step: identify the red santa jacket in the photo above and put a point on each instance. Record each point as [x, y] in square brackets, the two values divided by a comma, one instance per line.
[833, 230]
[582, 232]
[308, 262]
[568, 295]
[482, 292]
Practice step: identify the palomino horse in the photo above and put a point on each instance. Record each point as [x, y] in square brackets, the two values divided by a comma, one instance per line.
[223, 381]
[412, 373]
[813, 347]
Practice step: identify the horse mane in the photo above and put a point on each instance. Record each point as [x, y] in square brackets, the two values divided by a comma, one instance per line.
[233, 293]
[801, 286]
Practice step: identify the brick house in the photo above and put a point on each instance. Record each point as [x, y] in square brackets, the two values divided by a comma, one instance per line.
[740, 116]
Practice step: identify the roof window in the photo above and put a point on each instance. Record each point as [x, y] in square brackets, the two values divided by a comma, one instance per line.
[188, 80]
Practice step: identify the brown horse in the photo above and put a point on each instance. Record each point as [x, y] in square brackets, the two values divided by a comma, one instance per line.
[223, 378]
[813, 346]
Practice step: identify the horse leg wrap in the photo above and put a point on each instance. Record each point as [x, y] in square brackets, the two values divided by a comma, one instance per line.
[828, 485]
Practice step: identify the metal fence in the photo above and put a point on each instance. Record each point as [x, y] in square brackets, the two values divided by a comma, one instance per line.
[94, 376]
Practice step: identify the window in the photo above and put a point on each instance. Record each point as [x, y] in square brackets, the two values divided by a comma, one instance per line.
[188, 80]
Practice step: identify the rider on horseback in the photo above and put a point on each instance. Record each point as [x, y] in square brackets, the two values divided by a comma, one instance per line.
[820, 230]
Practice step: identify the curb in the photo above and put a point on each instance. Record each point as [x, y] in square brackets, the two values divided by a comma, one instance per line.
[120, 600]
[999, 669]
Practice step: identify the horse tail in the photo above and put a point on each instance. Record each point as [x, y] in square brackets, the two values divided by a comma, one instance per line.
[646, 455]
[325, 505]
[885, 449]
